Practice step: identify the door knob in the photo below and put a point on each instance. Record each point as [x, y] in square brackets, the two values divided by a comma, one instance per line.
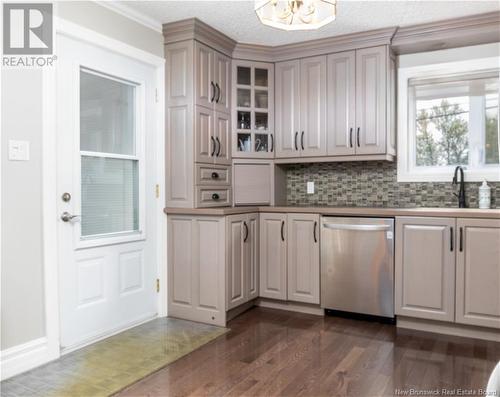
[67, 217]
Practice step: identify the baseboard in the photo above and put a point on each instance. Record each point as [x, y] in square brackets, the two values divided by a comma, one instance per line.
[291, 306]
[22, 358]
[441, 327]
[230, 314]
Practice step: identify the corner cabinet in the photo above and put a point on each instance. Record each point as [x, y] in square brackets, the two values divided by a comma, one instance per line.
[198, 124]
[253, 109]
[301, 108]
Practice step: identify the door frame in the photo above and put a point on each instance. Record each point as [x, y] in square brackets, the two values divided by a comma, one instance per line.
[49, 177]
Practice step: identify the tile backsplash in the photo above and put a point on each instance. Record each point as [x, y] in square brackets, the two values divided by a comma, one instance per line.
[373, 184]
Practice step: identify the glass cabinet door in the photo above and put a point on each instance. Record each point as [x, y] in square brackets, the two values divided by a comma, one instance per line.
[253, 109]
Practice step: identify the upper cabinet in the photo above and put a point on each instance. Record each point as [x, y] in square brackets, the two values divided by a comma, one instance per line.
[253, 102]
[301, 108]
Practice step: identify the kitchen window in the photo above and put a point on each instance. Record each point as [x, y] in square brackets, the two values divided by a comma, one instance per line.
[450, 119]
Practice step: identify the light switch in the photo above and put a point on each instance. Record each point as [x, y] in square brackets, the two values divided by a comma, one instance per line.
[310, 187]
[19, 150]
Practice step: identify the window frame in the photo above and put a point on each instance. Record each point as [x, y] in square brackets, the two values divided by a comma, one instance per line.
[407, 171]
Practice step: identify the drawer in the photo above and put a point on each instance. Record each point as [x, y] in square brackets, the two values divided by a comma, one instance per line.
[213, 175]
[207, 196]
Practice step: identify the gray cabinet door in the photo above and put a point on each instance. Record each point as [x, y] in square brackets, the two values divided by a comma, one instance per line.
[341, 124]
[236, 277]
[204, 86]
[478, 272]
[273, 232]
[196, 268]
[252, 265]
[222, 83]
[303, 258]
[287, 108]
[425, 268]
[312, 139]
[205, 144]
[222, 138]
[371, 100]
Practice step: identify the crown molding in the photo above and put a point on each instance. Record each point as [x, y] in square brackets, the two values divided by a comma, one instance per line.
[194, 29]
[126, 11]
[450, 33]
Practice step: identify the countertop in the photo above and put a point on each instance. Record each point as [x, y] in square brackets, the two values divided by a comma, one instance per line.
[342, 211]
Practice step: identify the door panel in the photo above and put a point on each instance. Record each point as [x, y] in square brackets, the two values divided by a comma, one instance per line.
[287, 108]
[204, 85]
[371, 76]
[107, 265]
[341, 103]
[253, 243]
[313, 106]
[236, 260]
[222, 80]
[223, 138]
[478, 272]
[204, 135]
[303, 258]
[273, 256]
[425, 268]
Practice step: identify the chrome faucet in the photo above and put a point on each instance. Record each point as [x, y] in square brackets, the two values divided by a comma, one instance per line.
[461, 191]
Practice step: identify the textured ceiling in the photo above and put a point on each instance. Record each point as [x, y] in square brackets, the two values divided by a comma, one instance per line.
[238, 20]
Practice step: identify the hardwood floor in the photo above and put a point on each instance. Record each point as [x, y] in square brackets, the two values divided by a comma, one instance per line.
[271, 352]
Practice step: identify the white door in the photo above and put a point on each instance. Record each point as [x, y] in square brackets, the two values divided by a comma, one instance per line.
[106, 181]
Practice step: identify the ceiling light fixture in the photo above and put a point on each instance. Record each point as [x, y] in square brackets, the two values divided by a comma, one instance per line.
[296, 14]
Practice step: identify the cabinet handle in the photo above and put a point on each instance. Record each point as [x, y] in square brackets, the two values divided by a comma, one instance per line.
[282, 230]
[451, 239]
[302, 140]
[272, 143]
[213, 146]
[314, 231]
[218, 146]
[350, 137]
[461, 239]
[218, 92]
[215, 196]
[246, 232]
[215, 175]
[213, 91]
[296, 136]
[357, 137]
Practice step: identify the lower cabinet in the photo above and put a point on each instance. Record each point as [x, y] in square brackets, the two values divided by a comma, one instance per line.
[289, 257]
[478, 272]
[425, 268]
[196, 268]
[448, 269]
[242, 272]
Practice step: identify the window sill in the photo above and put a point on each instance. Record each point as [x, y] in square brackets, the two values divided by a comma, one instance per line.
[490, 175]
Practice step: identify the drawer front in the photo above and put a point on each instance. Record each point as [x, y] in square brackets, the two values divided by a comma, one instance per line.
[209, 175]
[207, 196]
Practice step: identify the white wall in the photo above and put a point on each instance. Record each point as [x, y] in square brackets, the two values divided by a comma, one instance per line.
[22, 305]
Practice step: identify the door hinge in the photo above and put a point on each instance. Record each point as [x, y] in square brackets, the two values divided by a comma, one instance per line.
[157, 190]
[156, 95]
[157, 285]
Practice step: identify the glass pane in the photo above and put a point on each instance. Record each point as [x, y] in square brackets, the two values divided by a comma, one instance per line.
[107, 115]
[261, 99]
[243, 75]
[261, 142]
[243, 98]
[260, 121]
[491, 138]
[110, 196]
[244, 142]
[243, 120]
[261, 77]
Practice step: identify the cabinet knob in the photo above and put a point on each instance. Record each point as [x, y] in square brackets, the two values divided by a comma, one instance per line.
[215, 196]
[215, 175]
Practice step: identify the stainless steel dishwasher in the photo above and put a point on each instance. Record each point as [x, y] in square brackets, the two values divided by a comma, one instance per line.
[357, 265]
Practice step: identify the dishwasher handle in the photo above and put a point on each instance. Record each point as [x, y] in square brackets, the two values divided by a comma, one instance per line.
[363, 228]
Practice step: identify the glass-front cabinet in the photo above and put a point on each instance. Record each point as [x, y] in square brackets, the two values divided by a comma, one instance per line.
[253, 100]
